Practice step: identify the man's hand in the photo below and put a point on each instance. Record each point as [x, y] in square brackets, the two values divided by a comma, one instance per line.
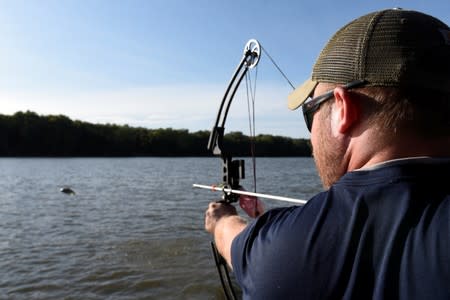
[215, 212]
[222, 220]
[251, 205]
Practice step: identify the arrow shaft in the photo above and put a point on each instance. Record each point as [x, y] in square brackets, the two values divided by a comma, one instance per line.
[239, 192]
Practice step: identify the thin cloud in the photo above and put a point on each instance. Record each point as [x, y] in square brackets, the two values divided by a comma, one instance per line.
[192, 107]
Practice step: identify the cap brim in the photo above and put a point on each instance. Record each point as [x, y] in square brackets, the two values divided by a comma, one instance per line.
[300, 94]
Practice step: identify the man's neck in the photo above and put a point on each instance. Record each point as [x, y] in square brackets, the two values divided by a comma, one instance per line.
[365, 152]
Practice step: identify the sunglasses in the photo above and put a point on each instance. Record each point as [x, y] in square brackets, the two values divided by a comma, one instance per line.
[312, 105]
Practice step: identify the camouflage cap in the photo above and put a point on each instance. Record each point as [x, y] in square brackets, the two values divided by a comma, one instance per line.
[393, 47]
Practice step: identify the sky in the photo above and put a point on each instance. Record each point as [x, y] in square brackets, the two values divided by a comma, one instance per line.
[167, 63]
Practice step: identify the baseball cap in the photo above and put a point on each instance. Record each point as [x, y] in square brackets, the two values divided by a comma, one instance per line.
[392, 48]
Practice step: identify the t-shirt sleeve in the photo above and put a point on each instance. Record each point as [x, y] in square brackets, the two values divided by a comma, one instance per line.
[279, 253]
[261, 249]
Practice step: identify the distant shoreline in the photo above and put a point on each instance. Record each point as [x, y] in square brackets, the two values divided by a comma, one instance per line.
[27, 134]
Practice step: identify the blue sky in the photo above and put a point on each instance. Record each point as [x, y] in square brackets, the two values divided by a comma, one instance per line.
[166, 63]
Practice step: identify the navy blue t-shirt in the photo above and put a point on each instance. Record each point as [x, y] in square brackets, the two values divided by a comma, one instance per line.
[375, 234]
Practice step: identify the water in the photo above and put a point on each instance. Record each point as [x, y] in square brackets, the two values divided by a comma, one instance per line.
[134, 229]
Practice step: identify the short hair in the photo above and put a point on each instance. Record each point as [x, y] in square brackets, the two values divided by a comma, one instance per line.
[424, 112]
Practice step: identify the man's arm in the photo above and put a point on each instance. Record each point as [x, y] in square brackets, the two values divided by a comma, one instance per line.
[222, 221]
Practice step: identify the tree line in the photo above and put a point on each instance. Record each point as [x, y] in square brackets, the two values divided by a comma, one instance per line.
[30, 134]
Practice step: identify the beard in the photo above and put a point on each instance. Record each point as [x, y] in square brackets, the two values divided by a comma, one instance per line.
[328, 154]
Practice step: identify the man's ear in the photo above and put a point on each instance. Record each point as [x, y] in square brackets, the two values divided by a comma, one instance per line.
[345, 112]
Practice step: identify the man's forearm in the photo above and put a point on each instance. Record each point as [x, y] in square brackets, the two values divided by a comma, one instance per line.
[226, 230]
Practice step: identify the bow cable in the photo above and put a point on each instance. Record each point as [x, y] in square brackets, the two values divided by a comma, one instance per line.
[251, 99]
[278, 68]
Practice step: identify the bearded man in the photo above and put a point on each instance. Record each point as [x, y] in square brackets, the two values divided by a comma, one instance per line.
[378, 108]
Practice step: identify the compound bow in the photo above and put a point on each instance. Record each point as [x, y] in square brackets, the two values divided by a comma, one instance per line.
[234, 170]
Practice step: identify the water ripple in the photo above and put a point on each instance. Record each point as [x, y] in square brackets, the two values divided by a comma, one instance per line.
[134, 229]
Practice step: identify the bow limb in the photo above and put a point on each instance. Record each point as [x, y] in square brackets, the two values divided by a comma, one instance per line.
[233, 170]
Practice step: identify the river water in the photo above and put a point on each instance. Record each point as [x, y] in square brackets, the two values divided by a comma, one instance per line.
[133, 230]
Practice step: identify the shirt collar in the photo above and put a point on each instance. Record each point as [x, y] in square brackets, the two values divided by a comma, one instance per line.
[406, 160]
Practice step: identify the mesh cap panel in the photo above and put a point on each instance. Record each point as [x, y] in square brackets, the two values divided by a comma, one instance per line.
[392, 47]
[388, 48]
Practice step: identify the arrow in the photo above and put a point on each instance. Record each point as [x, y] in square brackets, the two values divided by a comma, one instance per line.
[239, 192]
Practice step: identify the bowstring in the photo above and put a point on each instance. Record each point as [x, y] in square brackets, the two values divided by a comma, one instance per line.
[251, 97]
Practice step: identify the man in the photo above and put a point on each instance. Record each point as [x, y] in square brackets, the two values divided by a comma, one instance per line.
[380, 130]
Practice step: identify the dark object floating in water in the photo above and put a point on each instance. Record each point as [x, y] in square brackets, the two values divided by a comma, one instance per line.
[67, 190]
